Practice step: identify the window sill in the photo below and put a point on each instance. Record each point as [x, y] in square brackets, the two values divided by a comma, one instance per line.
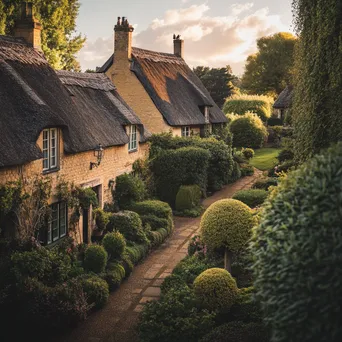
[56, 169]
[132, 151]
[55, 243]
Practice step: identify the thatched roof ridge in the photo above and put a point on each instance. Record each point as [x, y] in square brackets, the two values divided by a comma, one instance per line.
[284, 99]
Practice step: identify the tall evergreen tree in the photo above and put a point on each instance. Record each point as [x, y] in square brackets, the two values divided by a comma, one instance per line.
[218, 81]
[317, 109]
[270, 70]
[60, 43]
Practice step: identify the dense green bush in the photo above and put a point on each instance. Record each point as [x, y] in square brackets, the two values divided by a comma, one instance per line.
[129, 224]
[238, 332]
[285, 155]
[215, 289]
[253, 198]
[114, 275]
[96, 290]
[137, 252]
[241, 104]
[155, 222]
[236, 174]
[184, 166]
[246, 170]
[227, 224]
[159, 236]
[188, 197]
[265, 183]
[128, 189]
[114, 243]
[284, 167]
[298, 252]
[191, 267]
[101, 219]
[172, 282]
[95, 259]
[127, 264]
[248, 131]
[174, 318]
[248, 153]
[156, 208]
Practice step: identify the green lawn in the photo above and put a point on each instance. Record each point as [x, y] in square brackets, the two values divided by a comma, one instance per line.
[265, 158]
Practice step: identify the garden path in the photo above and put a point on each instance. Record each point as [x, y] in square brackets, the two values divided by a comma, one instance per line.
[117, 321]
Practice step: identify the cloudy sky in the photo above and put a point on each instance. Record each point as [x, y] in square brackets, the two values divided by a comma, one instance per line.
[216, 32]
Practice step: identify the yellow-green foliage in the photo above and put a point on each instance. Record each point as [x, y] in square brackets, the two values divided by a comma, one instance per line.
[227, 223]
[241, 104]
[188, 197]
[216, 289]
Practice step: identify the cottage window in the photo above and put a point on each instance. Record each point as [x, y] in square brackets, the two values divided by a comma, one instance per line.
[50, 149]
[186, 131]
[57, 224]
[132, 145]
[206, 115]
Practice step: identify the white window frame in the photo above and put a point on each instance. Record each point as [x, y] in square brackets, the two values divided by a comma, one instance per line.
[186, 131]
[206, 115]
[58, 221]
[50, 149]
[133, 138]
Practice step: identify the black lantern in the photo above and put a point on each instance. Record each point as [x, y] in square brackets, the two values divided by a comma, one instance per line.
[98, 153]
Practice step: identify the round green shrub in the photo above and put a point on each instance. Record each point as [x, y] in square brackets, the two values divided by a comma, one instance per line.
[248, 153]
[172, 282]
[96, 290]
[155, 222]
[238, 331]
[248, 131]
[114, 243]
[227, 223]
[127, 264]
[101, 219]
[113, 279]
[129, 224]
[115, 266]
[128, 189]
[188, 197]
[253, 198]
[95, 259]
[298, 253]
[265, 183]
[137, 252]
[215, 289]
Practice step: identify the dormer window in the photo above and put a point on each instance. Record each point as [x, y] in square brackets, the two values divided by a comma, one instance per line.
[206, 114]
[50, 149]
[132, 133]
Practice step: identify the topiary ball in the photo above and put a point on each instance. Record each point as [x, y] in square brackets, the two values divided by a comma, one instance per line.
[95, 259]
[298, 253]
[216, 289]
[227, 223]
[96, 290]
[115, 244]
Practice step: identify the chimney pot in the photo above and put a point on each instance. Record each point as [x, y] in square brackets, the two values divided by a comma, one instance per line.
[178, 46]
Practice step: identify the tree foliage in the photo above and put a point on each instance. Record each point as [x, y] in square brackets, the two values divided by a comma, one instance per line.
[219, 82]
[318, 102]
[60, 43]
[271, 68]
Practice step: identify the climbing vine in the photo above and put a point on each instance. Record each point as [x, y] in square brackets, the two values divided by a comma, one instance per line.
[318, 80]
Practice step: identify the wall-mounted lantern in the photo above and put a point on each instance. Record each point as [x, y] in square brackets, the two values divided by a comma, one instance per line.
[98, 153]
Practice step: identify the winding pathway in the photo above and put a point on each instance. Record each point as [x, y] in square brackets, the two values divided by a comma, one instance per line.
[117, 321]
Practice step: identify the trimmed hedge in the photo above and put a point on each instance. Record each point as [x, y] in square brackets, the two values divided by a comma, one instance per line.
[129, 224]
[248, 131]
[114, 243]
[95, 259]
[96, 290]
[253, 198]
[174, 168]
[188, 197]
[238, 332]
[241, 104]
[246, 170]
[156, 208]
[215, 289]
[236, 174]
[137, 252]
[265, 183]
[227, 223]
[128, 189]
[155, 222]
[298, 252]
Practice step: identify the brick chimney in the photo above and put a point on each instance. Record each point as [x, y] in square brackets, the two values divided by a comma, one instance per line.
[28, 27]
[178, 46]
[123, 40]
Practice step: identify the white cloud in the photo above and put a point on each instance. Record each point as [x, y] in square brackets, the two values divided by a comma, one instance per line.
[209, 40]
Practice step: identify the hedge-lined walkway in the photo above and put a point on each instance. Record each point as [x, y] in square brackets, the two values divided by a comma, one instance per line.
[118, 320]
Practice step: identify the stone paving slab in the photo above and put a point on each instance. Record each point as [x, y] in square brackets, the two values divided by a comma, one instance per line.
[117, 321]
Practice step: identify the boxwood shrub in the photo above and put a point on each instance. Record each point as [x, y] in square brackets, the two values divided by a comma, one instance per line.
[298, 249]
[114, 243]
[265, 183]
[246, 170]
[95, 259]
[253, 198]
[248, 131]
[156, 208]
[184, 166]
[188, 197]
[96, 290]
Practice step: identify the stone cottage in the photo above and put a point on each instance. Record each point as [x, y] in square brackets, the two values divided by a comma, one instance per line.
[62, 125]
[160, 87]
[283, 103]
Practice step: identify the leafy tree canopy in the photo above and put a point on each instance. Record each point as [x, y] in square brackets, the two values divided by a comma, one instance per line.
[60, 42]
[271, 68]
[220, 82]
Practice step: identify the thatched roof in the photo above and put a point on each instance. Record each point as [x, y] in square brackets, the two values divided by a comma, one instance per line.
[284, 99]
[173, 87]
[32, 98]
